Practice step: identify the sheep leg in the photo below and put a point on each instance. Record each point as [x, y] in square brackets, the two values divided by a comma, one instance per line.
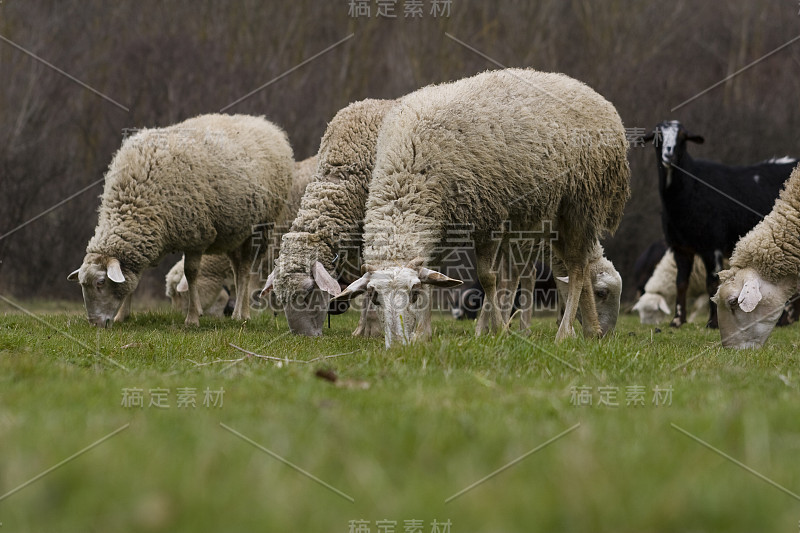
[507, 287]
[527, 285]
[712, 283]
[124, 310]
[424, 330]
[191, 267]
[683, 261]
[240, 264]
[589, 319]
[575, 288]
[368, 323]
[490, 319]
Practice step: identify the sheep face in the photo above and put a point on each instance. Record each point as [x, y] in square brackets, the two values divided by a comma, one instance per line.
[305, 297]
[748, 307]
[653, 309]
[105, 285]
[401, 298]
[607, 286]
[669, 139]
[306, 306]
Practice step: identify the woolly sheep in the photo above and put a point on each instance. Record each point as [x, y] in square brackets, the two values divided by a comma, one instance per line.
[764, 273]
[331, 213]
[511, 145]
[655, 305]
[197, 187]
[214, 276]
[215, 271]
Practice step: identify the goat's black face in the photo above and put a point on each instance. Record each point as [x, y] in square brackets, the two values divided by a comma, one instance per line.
[669, 139]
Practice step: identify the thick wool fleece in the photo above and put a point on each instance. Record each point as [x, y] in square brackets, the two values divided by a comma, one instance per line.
[772, 248]
[516, 145]
[303, 174]
[332, 207]
[196, 186]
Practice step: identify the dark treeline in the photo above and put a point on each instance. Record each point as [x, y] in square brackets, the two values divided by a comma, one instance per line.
[166, 61]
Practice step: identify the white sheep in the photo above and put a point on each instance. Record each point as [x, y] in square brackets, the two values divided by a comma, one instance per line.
[511, 145]
[197, 187]
[764, 273]
[215, 271]
[327, 230]
[214, 276]
[655, 305]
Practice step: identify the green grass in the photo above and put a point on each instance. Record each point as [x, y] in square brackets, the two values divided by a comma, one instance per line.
[399, 432]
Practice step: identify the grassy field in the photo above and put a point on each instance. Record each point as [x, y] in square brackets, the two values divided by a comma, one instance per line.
[459, 434]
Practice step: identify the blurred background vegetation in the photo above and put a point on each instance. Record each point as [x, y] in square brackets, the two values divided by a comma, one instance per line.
[168, 61]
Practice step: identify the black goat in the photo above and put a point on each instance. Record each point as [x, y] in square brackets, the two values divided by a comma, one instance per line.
[708, 206]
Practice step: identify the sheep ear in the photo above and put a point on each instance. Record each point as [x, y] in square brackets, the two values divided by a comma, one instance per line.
[268, 286]
[563, 279]
[662, 305]
[649, 137]
[437, 279]
[74, 275]
[354, 289]
[183, 285]
[324, 280]
[751, 293]
[695, 138]
[637, 305]
[115, 271]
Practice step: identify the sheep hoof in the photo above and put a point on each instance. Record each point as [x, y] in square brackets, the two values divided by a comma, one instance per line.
[192, 322]
[712, 324]
[676, 323]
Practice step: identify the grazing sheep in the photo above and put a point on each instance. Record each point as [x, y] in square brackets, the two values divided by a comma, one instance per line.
[197, 187]
[215, 276]
[764, 273]
[214, 280]
[512, 145]
[655, 305]
[708, 206]
[331, 214]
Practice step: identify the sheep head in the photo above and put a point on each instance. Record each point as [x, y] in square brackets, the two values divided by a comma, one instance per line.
[105, 284]
[305, 297]
[652, 308]
[748, 306]
[401, 297]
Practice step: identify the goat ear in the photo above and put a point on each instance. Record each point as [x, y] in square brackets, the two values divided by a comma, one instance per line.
[324, 280]
[183, 284]
[695, 138]
[74, 275]
[649, 137]
[115, 271]
[662, 305]
[268, 285]
[354, 289]
[437, 279]
[751, 293]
